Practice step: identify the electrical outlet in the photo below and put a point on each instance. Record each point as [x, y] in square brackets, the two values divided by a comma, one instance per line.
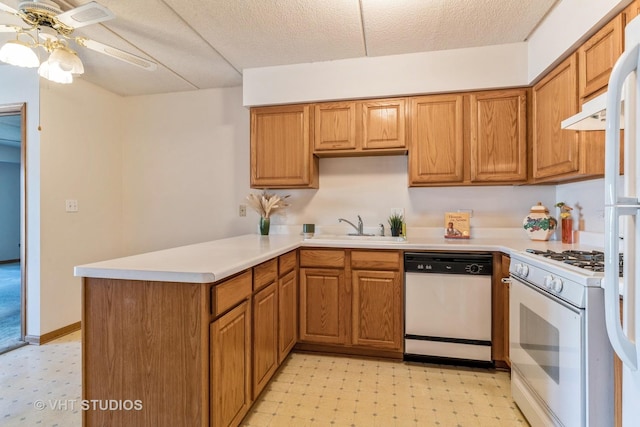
[242, 211]
[71, 205]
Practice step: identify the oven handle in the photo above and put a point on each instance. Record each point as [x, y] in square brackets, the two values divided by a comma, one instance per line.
[543, 293]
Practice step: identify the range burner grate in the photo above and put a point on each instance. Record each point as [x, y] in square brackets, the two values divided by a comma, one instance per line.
[589, 260]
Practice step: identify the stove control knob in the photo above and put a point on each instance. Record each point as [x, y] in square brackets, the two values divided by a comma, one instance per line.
[525, 270]
[548, 281]
[518, 268]
[557, 284]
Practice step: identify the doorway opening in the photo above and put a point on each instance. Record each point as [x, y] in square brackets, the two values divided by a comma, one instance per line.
[12, 226]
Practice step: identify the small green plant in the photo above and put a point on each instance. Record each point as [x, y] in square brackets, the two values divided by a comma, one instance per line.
[395, 224]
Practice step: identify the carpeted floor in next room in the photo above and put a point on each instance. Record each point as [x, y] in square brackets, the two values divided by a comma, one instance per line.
[9, 306]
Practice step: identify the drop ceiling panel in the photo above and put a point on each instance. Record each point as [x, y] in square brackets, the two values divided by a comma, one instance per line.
[256, 33]
[407, 26]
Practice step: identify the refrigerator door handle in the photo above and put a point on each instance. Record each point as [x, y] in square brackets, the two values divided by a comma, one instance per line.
[623, 346]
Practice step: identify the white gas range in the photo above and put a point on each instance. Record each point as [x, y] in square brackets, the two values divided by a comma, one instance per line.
[561, 359]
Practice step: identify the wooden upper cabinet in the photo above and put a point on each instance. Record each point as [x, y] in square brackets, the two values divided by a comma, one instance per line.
[437, 140]
[631, 11]
[335, 126]
[597, 56]
[357, 128]
[383, 124]
[281, 152]
[555, 151]
[498, 136]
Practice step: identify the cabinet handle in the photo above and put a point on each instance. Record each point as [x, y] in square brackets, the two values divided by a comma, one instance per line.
[506, 280]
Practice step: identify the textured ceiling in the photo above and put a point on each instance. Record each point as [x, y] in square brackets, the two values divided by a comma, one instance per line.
[202, 44]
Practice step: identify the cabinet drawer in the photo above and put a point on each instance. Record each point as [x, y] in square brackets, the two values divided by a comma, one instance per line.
[322, 258]
[375, 260]
[287, 262]
[265, 273]
[230, 292]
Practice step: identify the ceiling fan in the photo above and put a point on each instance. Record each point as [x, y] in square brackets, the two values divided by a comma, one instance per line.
[53, 30]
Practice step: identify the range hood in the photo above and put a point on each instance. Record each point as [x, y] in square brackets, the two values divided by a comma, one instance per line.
[592, 116]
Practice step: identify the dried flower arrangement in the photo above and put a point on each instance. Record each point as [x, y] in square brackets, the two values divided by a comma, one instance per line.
[266, 204]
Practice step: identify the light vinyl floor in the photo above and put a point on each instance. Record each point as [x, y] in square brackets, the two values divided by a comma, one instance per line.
[308, 390]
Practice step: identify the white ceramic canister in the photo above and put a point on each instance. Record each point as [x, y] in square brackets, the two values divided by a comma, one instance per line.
[539, 225]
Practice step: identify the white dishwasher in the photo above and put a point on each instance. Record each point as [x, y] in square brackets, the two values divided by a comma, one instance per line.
[448, 308]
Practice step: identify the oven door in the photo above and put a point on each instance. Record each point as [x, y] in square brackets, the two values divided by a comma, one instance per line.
[547, 337]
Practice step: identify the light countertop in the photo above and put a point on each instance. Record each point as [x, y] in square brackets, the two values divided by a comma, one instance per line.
[215, 260]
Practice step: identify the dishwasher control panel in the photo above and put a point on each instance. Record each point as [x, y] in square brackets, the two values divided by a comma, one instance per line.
[448, 263]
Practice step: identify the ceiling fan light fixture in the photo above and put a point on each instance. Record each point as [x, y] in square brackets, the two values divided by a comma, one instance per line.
[53, 72]
[18, 53]
[67, 60]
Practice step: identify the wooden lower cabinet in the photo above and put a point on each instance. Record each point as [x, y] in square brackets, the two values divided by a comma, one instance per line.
[377, 309]
[323, 305]
[265, 336]
[355, 309]
[287, 314]
[230, 340]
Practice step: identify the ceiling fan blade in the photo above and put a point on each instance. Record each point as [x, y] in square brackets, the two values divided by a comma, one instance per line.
[5, 8]
[117, 53]
[87, 14]
[9, 28]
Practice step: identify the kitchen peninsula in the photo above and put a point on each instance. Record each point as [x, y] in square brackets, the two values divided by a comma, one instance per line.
[195, 333]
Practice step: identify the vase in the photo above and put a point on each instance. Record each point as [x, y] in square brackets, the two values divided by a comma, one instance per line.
[395, 231]
[567, 230]
[264, 226]
[539, 225]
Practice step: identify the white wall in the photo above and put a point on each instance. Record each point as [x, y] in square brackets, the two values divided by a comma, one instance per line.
[428, 72]
[185, 168]
[19, 85]
[371, 186]
[80, 159]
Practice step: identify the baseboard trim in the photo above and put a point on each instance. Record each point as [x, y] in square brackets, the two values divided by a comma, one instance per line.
[50, 336]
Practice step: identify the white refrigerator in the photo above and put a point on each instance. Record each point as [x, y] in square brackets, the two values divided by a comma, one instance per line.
[622, 231]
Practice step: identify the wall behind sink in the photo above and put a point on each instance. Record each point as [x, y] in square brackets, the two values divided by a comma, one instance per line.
[371, 186]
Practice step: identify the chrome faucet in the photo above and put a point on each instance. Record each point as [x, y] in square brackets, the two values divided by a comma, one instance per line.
[359, 228]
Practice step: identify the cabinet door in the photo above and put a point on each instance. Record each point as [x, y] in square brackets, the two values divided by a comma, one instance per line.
[335, 126]
[281, 155]
[631, 11]
[230, 341]
[377, 309]
[555, 151]
[265, 336]
[498, 142]
[436, 146]
[323, 306]
[597, 56]
[288, 314]
[383, 124]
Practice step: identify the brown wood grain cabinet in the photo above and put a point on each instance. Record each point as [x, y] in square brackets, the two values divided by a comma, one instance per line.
[560, 155]
[351, 301]
[281, 147]
[437, 140]
[597, 56]
[555, 151]
[475, 138]
[230, 370]
[498, 136]
[265, 336]
[357, 128]
[631, 11]
[323, 305]
[287, 304]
